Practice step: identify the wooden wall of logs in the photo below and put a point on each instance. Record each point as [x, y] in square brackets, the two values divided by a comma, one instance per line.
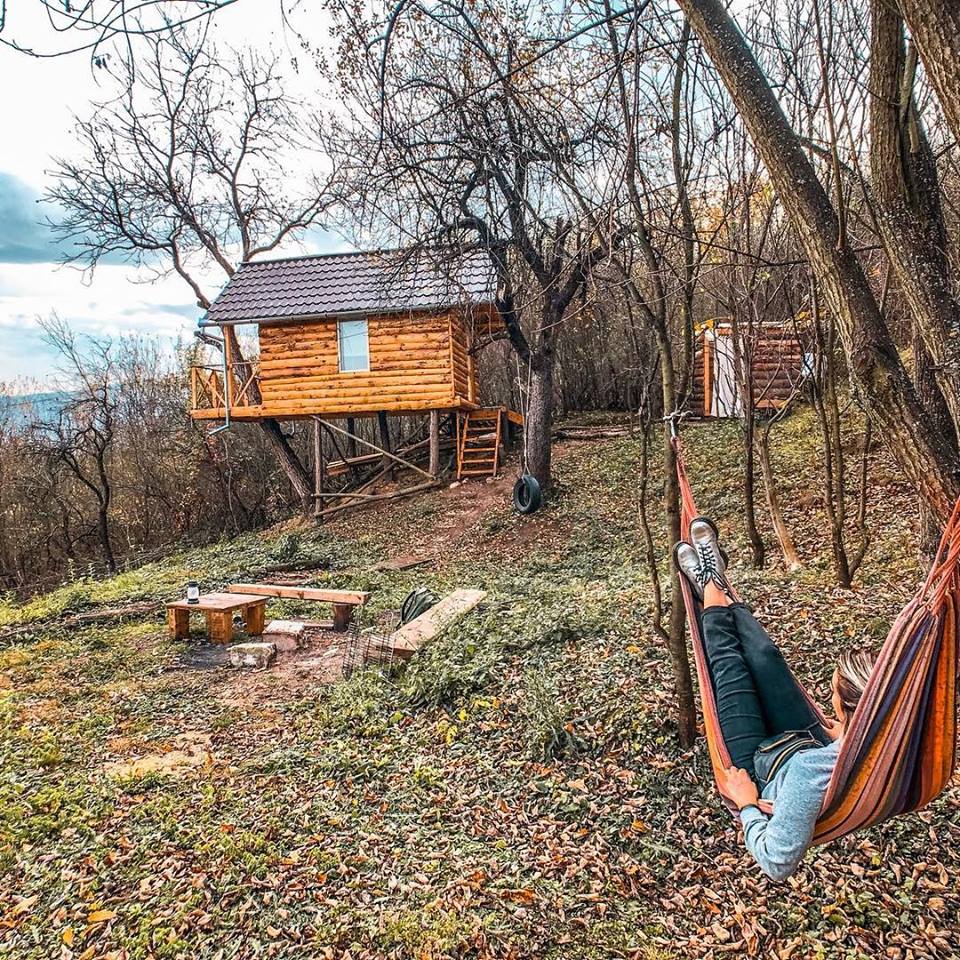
[417, 362]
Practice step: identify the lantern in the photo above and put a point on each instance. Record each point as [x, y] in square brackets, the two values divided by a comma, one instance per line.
[193, 592]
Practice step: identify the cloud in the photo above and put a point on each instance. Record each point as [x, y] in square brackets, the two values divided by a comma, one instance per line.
[25, 232]
[189, 310]
[24, 236]
[109, 304]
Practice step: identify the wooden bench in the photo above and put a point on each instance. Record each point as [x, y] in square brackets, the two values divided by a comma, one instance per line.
[344, 601]
[219, 609]
[409, 638]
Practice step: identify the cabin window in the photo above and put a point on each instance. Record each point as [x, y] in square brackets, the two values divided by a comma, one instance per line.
[354, 345]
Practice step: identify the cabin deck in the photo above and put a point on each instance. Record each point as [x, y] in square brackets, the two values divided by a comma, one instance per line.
[252, 412]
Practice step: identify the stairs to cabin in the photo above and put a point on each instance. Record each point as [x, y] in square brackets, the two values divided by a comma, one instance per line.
[478, 449]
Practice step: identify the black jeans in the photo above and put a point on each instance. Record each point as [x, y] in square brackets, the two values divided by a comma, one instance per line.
[757, 695]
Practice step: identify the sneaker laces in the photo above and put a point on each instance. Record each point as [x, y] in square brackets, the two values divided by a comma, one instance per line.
[708, 564]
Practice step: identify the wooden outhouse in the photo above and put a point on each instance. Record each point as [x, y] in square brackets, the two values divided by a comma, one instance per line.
[771, 353]
[352, 335]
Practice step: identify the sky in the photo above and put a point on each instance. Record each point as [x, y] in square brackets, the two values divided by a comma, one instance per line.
[36, 123]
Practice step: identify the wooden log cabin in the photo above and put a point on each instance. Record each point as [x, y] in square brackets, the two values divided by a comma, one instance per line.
[775, 360]
[357, 334]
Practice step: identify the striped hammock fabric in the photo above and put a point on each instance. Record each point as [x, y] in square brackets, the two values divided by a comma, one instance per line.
[899, 749]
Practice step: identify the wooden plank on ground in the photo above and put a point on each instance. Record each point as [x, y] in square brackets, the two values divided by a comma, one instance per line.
[413, 635]
[355, 598]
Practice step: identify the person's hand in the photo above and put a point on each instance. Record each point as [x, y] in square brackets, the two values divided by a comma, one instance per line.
[743, 791]
[833, 728]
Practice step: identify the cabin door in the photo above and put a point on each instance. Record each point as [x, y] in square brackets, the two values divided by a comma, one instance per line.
[725, 397]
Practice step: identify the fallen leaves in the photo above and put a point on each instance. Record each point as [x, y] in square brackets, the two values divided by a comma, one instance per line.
[360, 823]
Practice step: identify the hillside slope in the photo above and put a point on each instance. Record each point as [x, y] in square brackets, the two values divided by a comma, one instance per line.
[516, 791]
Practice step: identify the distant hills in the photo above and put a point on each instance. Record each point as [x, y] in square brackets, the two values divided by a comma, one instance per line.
[23, 408]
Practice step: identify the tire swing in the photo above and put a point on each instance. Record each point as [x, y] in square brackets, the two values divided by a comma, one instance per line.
[527, 495]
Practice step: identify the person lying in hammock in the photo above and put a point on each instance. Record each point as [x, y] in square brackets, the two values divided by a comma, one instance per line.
[756, 697]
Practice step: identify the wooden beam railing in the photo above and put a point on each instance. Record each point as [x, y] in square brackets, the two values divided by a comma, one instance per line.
[209, 392]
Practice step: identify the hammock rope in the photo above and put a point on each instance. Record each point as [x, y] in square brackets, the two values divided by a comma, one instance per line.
[899, 749]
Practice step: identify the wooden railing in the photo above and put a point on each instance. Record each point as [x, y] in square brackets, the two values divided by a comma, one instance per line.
[209, 392]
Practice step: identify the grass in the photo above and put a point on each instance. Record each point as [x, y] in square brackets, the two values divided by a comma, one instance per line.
[516, 791]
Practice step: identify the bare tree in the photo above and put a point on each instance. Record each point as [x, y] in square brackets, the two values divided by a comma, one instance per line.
[82, 435]
[97, 26]
[185, 171]
[453, 149]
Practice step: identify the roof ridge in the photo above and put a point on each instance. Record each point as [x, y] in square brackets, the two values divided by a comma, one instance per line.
[351, 253]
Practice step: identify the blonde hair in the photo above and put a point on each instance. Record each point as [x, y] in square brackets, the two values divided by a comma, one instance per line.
[854, 668]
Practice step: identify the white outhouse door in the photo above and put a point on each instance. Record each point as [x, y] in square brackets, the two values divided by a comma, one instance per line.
[725, 398]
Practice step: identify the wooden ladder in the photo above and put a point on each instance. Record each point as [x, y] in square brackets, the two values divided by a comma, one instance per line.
[478, 452]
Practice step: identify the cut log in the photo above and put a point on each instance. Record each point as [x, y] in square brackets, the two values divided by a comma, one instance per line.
[285, 635]
[258, 655]
[413, 635]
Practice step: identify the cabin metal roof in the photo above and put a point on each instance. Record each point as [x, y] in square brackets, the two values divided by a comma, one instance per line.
[345, 284]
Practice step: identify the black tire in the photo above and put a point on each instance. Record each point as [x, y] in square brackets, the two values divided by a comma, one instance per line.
[417, 601]
[527, 496]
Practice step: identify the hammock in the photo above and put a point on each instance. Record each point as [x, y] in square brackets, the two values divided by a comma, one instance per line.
[898, 751]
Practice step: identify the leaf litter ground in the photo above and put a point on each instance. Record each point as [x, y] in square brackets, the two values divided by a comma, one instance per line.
[516, 792]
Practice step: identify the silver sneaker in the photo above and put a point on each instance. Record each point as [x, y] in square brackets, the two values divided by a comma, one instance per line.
[712, 559]
[688, 563]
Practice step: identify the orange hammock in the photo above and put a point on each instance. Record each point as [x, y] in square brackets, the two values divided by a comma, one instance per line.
[899, 749]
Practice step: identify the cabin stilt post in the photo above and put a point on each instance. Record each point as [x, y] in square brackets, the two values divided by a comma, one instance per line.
[434, 468]
[351, 437]
[318, 471]
[384, 426]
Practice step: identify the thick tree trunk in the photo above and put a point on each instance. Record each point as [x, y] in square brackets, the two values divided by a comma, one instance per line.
[875, 368]
[539, 422]
[290, 463]
[910, 217]
[935, 27]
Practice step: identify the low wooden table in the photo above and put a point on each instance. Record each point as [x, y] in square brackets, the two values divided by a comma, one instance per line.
[219, 609]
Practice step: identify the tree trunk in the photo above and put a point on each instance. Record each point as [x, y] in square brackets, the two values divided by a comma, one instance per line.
[910, 217]
[790, 556]
[290, 463]
[384, 426]
[676, 638]
[539, 422]
[933, 400]
[935, 27]
[749, 486]
[743, 379]
[875, 368]
[318, 469]
[677, 642]
[296, 472]
[352, 439]
[434, 469]
[103, 534]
